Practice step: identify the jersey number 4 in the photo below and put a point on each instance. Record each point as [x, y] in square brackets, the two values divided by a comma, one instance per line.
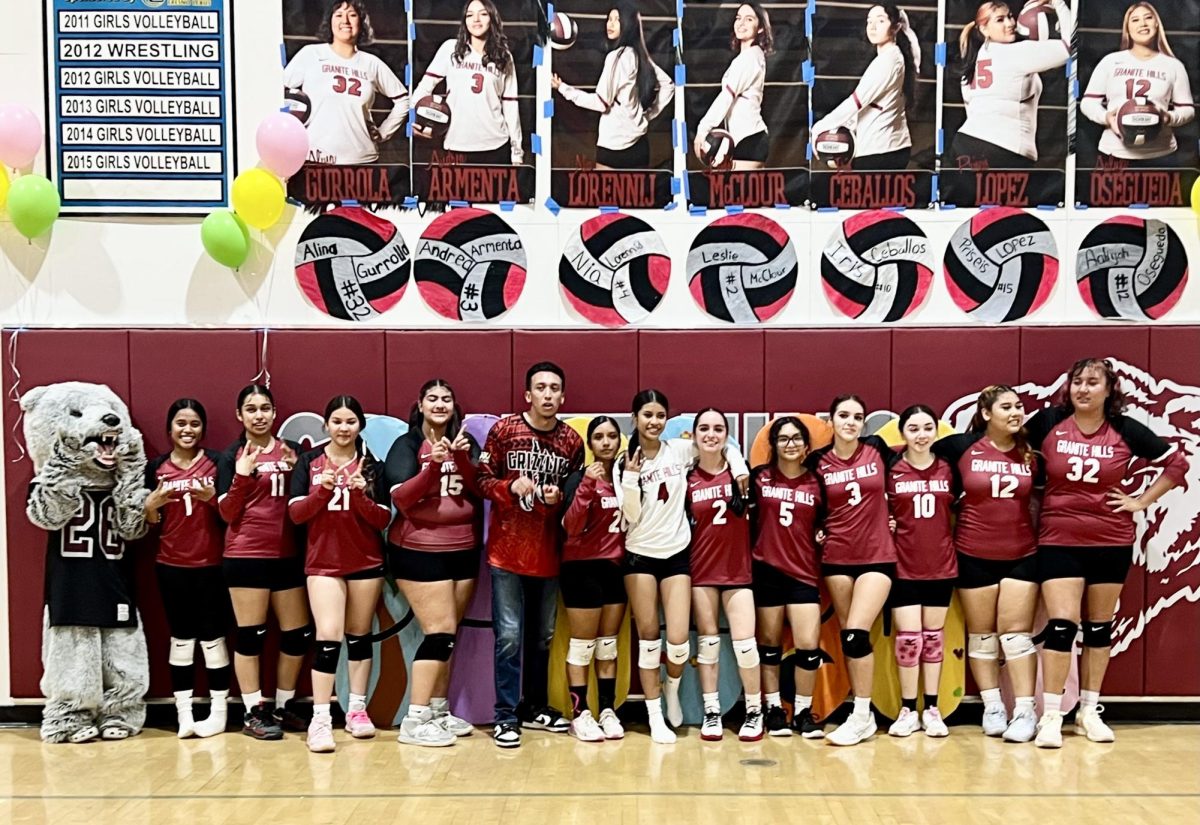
[92, 524]
[344, 86]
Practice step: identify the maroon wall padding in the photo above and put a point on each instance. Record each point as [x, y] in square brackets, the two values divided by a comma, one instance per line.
[807, 368]
[601, 366]
[476, 363]
[1048, 352]
[937, 367]
[716, 368]
[307, 369]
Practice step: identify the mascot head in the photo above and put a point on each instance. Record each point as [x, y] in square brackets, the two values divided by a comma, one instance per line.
[88, 420]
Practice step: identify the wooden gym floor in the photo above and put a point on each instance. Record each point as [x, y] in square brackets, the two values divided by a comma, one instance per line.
[1150, 775]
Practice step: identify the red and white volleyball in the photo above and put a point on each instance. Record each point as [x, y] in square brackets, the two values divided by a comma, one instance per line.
[614, 270]
[877, 266]
[470, 265]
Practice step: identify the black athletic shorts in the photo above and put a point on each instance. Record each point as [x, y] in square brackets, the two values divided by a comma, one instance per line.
[925, 592]
[196, 601]
[774, 588]
[592, 583]
[855, 570]
[679, 564]
[500, 156]
[636, 156]
[894, 161]
[976, 572]
[432, 566]
[1095, 565]
[996, 156]
[375, 572]
[264, 574]
[753, 147]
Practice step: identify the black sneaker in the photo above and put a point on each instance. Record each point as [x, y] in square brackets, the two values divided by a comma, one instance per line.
[507, 734]
[261, 724]
[803, 724]
[546, 718]
[289, 717]
[777, 723]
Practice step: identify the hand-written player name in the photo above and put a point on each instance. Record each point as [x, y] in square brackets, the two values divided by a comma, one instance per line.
[313, 250]
[630, 249]
[632, 190]
[872, 190]
[587, 268]
[932, 485]
[896, 248]
[983, 465]
[843, 476]
[1065, 447]
[788, 494]
[710, 493]
[1013, 246]
[396, 257]
[745, 188]
[1124, 188]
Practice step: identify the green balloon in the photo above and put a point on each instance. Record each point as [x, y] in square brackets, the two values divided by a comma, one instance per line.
[226, 238]
[33, 205]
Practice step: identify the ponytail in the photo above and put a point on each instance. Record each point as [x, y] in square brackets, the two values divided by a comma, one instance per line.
[986, 399]
[971, 40]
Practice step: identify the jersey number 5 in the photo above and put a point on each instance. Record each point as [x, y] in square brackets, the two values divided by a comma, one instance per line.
[79, 537]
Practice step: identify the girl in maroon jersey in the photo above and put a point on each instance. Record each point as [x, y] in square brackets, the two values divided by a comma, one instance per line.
[720, 564]
[261, 566]
[787, 508]
[182, 502]
[433, 550]
[997, 570]
[590, 580]
[1086, 531]
[921, 493]
[333, 492]
[859, 560]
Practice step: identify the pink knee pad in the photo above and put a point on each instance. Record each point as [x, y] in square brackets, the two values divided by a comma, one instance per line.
[908, 648]
[931, 646]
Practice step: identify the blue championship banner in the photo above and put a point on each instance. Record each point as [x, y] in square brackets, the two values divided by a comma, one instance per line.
[140, 114]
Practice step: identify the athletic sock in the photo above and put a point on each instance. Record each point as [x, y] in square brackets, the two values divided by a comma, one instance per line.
[911, 704]
[802, 702]
[773, 700]
[321, 709]
[419, 713]
[606, 692]
[282, 697]
[712, 702]
[1023, 703]
[357, 702]
[862, 706]
[1089, 698]
[578, 699]
[439, 705]
[991, 696]
[753, 702]
[931, 700]
[252, 700]
[1051, 703]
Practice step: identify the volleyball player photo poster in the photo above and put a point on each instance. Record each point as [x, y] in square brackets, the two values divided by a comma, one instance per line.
[344, 78]
[1006, 117]
[612, 71]
[1139, 68]
[474, 100]
[745, 103]
[874, 102]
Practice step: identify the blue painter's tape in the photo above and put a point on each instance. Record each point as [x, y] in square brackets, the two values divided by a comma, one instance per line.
[552, 205]
[537, 55]
[1081, 206]
[808, 152]
[948, 206]
[285, 108]
[412, 31]
[1076, 88]
[408, 129]
[535, 143]
[687, 187]
[507, 206]
[1139, 206]
[459, 204]
[679, 9]
[933, 188]
[408, 6]
[608, 210]
[350, 202]
[672, 204]
[549, 11]
[734, 209]
[941, 137]
[675, 186]
[698, 211]
[548, 108]
[988, 205]
[675, 36]
[293, 202]
[1047, 207]
[827, 209]
[783, 206]
[411, 202]
[680, 75]
[939, 54]
[408, 75]
[412, 115]
[894, 208]
[808, 72]
[1070, 65]
[808, 24]
[283, 55]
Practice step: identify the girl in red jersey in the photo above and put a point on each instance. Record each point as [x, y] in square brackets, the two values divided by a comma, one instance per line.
[720, 564]
[183, 504]
[433, 550]
[261, 566]
[333, 493]
[921, 493]
[994, 468]
[1086, 532]
[590, 580]
[859, 560]
[788, 506]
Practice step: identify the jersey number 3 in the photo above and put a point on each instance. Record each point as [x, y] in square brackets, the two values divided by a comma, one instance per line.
[92, 524]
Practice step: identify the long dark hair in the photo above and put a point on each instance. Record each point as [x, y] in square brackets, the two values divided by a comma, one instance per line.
[899, 21]
[370, 467]
[416, 419]
[1114, 405]
[773, 435]
[188, 404]
[970, 41]
[495, 48]
[647, 396]
[737, 502]
[366, 34]
[246, 392]
[979, 424]
[632, 37]
[915, 409]
[597, 422]
[765, 40]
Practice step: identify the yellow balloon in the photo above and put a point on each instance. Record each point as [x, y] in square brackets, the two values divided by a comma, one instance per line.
[258, 198]
[3, 187]
[890, 432]
[1196, 197]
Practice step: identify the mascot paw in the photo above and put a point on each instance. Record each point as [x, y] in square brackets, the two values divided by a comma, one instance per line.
[115, 732]
[84, 734]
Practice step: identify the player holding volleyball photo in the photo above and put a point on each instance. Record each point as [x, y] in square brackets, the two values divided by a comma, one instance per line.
[341, 82]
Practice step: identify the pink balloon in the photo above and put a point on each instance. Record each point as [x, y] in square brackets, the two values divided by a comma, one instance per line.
[21, 135]
[282, 143]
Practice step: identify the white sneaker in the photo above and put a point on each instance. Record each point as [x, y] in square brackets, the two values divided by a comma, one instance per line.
[906, 724]
[456, 726]
[1023, 726]
[585, 728]
[932, 722]
[611, 725]
[995, 720]
[710, 728]
[752, 728]
[674, 708]
[1049, 731]
[427, 733]
[853, 731]
[1088, 723]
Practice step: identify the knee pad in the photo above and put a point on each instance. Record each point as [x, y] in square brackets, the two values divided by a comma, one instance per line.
[183, 652]
[746, 653]
[1097, 634]
[295, 642]
[249, 640]
[580, 652]
[1017, 646]
[770, 654]
[677, 654]
[436, 647]
[856, 643]
[1060, 635]
[606, 648]
[216, 654]
[649, 653]
[708, 650]
[325, 660]
[808, 659]
[931, 646]
[908, 648]
[358, 648]
[983, 646]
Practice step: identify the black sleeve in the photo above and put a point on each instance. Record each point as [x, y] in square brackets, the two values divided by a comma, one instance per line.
[152, 470]
[1143, 442]
[226, 467]
[402, 460]
[886, 453]
[570, 486]
[298, 486]
[1039, 425]
[814, 458]
[952, 447]
[475, 449]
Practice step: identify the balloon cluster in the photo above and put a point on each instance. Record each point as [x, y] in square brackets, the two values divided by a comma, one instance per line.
[258, 194]
[32, 200]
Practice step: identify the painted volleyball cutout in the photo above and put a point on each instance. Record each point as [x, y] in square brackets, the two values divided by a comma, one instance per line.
[742, 268]
[1133, 268]
[877, 266]
[1001, 265]
[469, 265]
[352, 264]
[614, 270]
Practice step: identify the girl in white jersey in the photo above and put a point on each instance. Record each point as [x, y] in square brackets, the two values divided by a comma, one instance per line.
[653, 477]
[1145, 68]
[481, 90]
[341, 81]
[876, 111]
[632, 91]
[738, 107]
[1001, 87]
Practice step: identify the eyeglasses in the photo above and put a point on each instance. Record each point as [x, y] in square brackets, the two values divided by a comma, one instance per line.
[790, 440]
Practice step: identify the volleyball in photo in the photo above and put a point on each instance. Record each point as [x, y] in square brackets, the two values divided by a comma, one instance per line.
[614, 270]
[718, 147]
[352, 264]
[877, 266]
[1140, 121]
[1001, 265]
[1037, 20]
[742, 268]
[432, 112]
[470, 265]
[297, 103]
[835, 147]
[1132, 268]
[563, 31]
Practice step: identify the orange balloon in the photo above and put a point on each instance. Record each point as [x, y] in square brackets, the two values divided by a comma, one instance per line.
[819, 431]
